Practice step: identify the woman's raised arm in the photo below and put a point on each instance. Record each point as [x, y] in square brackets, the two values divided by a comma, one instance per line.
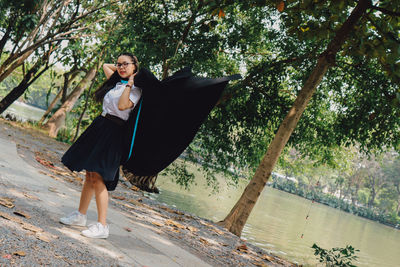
[109, 69]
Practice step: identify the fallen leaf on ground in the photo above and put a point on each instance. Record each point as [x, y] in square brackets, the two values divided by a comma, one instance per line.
[128, 229]
[7, 256]
[61, 172]
[223, 244]
[260, 264]
[175, 230]
[52, 189]
[11, 218]
[44, 162]
[30, 196]
[242, 248]
[44, 237]
[192, 229]
[181, 219]
[30, 227]
[82, 262]
[175, 224]
[135, 188]
[118, 197]
[157, 224]
[19, 253]
[206, 224]
[205, 242]
[7, 202]
[171, 210]
[217, 231]
[135, 202]
[22, 213]
[128, 206]
[52, 176]
[266, 257]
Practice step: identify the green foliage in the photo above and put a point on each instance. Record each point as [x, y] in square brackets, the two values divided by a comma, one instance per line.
[181, 175]
[355, 105]
[64, 135]
[336, 256]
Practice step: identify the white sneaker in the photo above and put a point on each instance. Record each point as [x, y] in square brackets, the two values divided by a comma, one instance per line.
[74, 218]
[96, 230]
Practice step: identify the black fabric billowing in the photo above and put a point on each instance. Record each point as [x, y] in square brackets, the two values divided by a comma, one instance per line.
[171, 114]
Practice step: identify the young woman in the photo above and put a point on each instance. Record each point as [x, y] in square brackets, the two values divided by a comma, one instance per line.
[99, 149]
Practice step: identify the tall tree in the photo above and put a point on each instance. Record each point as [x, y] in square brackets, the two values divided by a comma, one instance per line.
[310, 12]
[57, 120]
[391, 171]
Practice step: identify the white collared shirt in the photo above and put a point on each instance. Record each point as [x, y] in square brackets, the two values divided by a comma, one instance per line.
[111, 99]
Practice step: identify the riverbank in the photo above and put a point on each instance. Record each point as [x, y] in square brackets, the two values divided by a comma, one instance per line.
[132, 211]
[375, 215]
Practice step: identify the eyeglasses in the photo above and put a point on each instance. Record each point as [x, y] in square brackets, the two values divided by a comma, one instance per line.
[120, 65]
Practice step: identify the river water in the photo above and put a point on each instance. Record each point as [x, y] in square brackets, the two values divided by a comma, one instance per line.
[24, 111]
[278, 220]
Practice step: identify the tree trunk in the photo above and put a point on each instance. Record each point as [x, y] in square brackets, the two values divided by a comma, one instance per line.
[15, 93]
[6, 35]
[354, 195]
[59, 94]
[50, 107]
[22, 86]
[83, 111]
[239, 214]
[58, 118]
[6, 70]
[372, 198]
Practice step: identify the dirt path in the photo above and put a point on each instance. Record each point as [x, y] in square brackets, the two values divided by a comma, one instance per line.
[41, 240]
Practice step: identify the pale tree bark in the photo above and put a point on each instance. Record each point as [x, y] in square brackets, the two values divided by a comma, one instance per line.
[58, 118]
[239, 214]
[61, 92]
[99, 63]
[51, 106]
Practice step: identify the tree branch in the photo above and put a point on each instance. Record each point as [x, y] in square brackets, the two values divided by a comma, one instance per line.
[385, 11]
[389, 34]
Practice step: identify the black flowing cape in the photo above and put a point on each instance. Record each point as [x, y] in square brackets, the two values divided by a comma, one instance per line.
[167, 118]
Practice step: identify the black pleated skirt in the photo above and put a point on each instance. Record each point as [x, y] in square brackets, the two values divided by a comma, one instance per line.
[98, 149]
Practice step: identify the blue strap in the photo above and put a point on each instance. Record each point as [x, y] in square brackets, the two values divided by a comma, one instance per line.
[134, 130]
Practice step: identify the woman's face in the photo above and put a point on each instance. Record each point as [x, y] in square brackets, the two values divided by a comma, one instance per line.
[125, 66]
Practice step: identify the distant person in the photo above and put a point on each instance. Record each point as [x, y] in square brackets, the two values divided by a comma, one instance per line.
[99, 149]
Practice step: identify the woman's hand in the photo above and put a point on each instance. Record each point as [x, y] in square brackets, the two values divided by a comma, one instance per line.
[131, 79]
[124, 101]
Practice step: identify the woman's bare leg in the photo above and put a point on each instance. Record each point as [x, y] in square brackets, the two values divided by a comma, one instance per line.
[87, 193]
[101, 193]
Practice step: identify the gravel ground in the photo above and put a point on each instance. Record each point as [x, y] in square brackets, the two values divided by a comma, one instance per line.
[40, 240]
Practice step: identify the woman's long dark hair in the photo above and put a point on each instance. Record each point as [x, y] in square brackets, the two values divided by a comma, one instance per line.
[114, 78]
